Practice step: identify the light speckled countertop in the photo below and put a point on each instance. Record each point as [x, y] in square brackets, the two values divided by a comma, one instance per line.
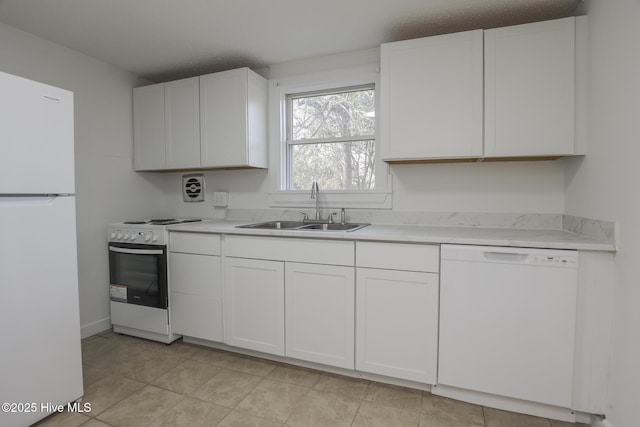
[532, 238]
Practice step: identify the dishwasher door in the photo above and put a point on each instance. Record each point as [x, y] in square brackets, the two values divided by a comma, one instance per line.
[507, 321]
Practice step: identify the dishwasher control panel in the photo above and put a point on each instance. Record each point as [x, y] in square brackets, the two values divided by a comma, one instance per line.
[557, 260]
[562, 258]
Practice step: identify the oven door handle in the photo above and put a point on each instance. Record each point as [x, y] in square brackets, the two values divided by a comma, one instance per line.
[136, 251]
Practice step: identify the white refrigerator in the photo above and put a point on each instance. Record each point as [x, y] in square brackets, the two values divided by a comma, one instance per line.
[40, 356]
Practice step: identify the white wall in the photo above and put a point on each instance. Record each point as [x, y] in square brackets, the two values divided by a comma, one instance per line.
[515, 187]
[247, 189]
[509, 187]
[605, 184]
[107, 189]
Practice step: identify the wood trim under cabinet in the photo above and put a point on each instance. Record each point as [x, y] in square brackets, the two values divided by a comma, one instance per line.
[476, 160]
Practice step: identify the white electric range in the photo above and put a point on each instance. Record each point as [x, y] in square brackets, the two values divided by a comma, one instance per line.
[139, 288]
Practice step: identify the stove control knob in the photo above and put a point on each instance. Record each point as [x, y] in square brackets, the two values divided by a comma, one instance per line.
[112, 235]
[133, 237]
[147, 237]
[126, 236]
[154, 238]
[119, 236]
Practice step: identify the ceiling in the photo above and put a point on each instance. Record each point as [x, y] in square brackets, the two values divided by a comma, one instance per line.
[162, 40]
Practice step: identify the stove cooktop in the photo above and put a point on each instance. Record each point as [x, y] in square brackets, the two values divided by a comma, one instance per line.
[162, 221]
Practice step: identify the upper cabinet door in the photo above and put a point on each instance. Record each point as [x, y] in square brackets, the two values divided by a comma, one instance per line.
[166, 125]
[233, 119]
[431, 97]
[182, 123]
[148, 128]
[529, 89]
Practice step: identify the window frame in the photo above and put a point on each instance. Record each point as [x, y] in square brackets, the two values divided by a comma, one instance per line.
[279, 90]
[291, 143]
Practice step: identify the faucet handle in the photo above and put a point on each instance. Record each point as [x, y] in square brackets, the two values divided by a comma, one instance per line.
[330, 217]
[305, 216]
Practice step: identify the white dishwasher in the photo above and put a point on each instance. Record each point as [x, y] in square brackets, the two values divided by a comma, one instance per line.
[507, 321]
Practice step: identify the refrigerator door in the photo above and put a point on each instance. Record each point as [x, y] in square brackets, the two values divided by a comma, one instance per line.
[40, 361]
[36, 138]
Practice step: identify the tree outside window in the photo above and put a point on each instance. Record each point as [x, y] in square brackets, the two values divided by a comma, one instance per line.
[331, 139]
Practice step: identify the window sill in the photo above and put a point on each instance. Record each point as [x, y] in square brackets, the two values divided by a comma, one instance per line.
[332, 200]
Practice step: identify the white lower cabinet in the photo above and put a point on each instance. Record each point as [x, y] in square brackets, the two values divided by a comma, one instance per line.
[254, 304]
[196, 316]
[318, 276]
[397, 310]
[397, 324]
[319, 301]
[195, 286]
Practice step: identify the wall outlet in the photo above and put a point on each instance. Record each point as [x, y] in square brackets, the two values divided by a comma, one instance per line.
[220, 199]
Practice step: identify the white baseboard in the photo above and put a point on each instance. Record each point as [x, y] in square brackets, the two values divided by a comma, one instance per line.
[95, 327]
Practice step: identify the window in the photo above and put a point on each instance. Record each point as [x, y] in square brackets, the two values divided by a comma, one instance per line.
[322, 126]
[331, 139]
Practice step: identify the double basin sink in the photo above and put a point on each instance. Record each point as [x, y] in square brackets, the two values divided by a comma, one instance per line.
[303, 226]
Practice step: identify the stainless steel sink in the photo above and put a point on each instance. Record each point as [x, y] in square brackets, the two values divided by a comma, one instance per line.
[303, 226]
[274, 225]
[333, 227]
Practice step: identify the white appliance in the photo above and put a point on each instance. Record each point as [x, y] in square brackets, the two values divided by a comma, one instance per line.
[507, 321]
[40, 360]
[139, 289]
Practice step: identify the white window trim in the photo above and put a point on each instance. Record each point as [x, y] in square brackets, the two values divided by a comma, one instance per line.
[380, 198]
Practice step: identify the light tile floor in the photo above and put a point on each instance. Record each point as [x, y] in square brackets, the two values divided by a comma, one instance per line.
[135, 382]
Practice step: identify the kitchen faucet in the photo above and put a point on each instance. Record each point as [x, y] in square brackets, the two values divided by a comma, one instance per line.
[314, 195]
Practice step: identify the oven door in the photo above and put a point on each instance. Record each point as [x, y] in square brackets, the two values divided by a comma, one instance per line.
[138, 274]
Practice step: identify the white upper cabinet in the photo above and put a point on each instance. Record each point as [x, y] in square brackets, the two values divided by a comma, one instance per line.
[215, 121]
[530, 89]
[431, 97]
[233, 119]
[148, 128]
[166, 125]
[432, 105]
[182, 123]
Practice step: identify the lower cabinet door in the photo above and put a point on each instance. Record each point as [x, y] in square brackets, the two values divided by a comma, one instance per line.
[397, 324]
[195, 305]
[196, 316]
[254, 304]
[320, 313]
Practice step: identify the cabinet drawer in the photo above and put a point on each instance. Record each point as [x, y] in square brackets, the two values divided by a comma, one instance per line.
[398, 256]
[313, 251]
[194, 243]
